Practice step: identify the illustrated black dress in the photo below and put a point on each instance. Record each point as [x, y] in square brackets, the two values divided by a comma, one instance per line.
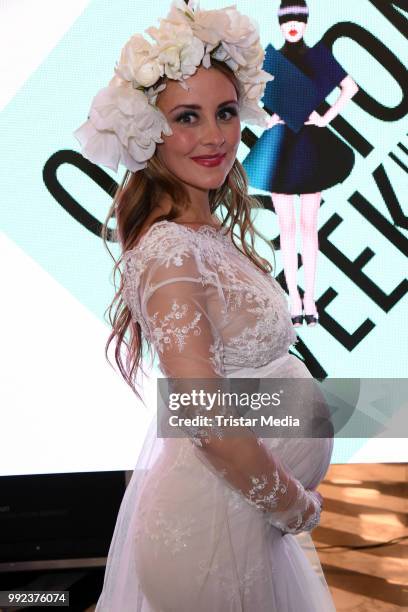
[311, 159]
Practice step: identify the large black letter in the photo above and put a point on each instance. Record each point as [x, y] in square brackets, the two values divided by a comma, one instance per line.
[386, 58]
[387, 8]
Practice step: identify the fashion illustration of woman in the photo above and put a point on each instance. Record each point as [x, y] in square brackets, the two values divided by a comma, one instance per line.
[209, 521]
[304, 162]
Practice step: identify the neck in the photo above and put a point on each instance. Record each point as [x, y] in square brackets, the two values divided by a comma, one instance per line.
[198, 211]
[295, 47]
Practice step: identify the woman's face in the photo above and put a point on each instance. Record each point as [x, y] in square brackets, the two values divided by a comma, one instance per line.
[293, 30]
[211, 128]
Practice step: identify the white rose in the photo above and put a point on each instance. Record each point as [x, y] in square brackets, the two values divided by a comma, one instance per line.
[116, 81]
[178, 51]
[169, 57]
[221, 54]
[251, 77]
[235, 53]
[136, 52]
[191, 56]
[254, 91]
[180, 12]
[147, 74]
[250, 112]
[210, 26]
[242, 30]
[122, 127]
[177, 32]
[254, 55]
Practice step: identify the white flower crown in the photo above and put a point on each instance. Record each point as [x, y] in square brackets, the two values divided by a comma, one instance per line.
[124, 124]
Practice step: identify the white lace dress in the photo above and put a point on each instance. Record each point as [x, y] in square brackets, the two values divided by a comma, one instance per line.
[186, 539]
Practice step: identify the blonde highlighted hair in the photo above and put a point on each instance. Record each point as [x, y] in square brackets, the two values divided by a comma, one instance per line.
[133, 201]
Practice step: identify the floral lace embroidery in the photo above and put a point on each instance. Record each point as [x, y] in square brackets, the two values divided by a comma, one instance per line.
[244, 291]
[132, 269]
[298, 523]
[198, 434]
[217, 356]
[172, 533]
[164, 330]
[271, 499]
[247, 581]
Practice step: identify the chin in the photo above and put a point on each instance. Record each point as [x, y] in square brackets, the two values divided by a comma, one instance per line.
[212, 182]
[208, 185]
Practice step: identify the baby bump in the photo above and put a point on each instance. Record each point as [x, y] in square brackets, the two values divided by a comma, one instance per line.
[307, 459]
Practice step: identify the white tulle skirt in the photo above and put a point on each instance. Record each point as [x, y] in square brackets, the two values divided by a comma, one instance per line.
[184, 541]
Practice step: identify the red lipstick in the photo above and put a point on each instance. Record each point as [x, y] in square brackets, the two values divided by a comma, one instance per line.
[209, 161]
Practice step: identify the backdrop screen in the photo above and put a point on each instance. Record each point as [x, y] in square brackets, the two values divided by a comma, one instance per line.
[63, 408]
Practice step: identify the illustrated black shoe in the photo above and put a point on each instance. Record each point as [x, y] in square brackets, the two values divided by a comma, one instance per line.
[311, 319]
[297, 320]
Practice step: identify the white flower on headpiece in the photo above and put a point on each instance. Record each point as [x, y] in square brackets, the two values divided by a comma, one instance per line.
[122, 127]
[214, 27]
[177, 50]
[137, 62]
[153, 92]
[209, 26]
[253, 80]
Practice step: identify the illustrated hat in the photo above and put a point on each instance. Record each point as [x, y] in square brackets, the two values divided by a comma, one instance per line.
[293, 10]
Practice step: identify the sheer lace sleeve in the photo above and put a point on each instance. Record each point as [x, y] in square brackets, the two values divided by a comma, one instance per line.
[183, 320]
[181, 325]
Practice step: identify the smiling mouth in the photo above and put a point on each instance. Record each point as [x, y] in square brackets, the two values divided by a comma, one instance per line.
[210, 156]
[213, 160]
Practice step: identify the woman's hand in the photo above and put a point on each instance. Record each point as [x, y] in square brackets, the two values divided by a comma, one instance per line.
[320, 498]
[316, 119]
[348, 89]
[274, 120]
[310, 518]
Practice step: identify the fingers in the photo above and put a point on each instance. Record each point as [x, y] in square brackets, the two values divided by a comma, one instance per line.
[320, 498]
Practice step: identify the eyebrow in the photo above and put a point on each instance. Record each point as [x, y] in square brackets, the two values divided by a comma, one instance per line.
[197, 106]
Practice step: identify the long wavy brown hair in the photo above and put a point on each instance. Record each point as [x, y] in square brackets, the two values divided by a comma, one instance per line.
[133, 200]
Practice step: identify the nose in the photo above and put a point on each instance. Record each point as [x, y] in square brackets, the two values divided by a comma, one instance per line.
[212, 134]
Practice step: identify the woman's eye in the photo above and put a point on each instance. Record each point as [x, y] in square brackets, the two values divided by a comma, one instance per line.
[230, 109]
[184, 116]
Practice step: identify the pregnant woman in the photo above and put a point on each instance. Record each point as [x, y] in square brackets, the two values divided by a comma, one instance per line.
[288, 163]
[208, 522]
